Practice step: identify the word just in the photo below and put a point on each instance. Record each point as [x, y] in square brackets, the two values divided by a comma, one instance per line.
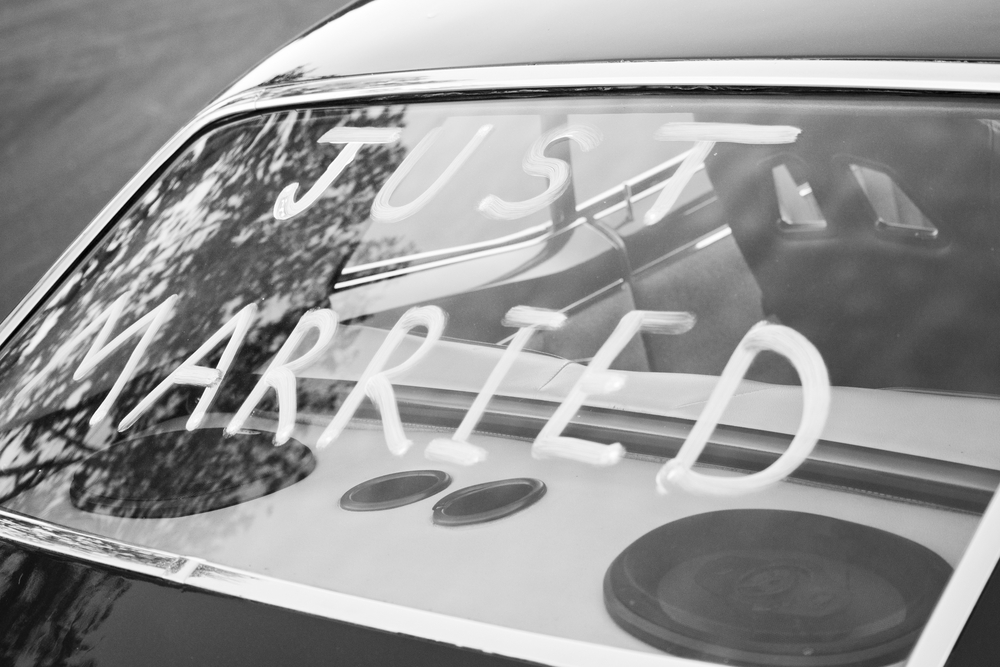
[535, 163]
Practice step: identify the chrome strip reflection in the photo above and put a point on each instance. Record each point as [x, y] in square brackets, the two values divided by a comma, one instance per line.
[95, 549]
[541, 238]
[598, 207]
[454, 250]
[713, 238]
[637, 180]
[633, 190]
[796, 73]
[688, 248]
[593, 296]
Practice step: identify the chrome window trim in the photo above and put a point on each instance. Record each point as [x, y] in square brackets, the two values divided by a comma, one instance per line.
[971, 574]
[535, 231]
[907, 75]
[200, 574]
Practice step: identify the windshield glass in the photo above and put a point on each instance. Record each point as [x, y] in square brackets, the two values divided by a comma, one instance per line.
[712, 377]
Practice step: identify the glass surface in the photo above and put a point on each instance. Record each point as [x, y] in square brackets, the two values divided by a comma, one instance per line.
[550, 292]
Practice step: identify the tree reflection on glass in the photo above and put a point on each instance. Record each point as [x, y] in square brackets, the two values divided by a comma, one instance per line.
[204, 231]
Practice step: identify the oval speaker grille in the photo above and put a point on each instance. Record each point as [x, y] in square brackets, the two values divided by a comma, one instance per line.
[395, 490]
[487, 502]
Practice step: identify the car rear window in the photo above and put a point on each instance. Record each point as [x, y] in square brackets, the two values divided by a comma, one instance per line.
[713, 377]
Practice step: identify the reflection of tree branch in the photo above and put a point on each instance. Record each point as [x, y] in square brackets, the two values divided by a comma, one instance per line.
[27, 475]
[38, 467]
[73, 440]
[21, 486]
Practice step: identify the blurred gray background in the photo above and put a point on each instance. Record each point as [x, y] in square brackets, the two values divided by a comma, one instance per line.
[89, 89]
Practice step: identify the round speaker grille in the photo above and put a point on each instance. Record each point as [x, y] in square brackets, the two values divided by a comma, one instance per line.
[770, 587]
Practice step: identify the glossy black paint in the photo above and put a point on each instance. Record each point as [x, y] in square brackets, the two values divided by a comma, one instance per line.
[55, 611]
[407, 35]
[979, 643]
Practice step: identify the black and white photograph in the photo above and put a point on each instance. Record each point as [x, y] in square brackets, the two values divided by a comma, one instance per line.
[468, 333]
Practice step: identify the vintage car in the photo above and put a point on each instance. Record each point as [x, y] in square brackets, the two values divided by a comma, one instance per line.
[532, 333]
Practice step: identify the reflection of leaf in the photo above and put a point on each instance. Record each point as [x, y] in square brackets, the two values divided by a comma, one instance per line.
[35, 449]
[179, 473]
[372, 250]
[203, 231]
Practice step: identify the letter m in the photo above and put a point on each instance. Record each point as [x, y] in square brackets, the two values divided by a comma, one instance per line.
[148, 325]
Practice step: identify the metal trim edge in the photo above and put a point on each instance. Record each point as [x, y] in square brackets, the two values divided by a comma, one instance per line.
[388, 617]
